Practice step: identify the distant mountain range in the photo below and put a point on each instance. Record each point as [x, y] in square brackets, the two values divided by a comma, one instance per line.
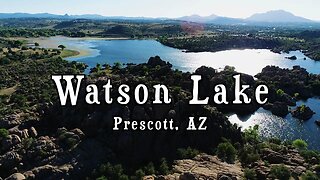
[276, 16]
[47, 15]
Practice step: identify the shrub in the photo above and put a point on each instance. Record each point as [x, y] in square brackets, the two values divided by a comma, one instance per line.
[280, 92]
[226, 152]
[299, 144]
[112, 172]
[248, 155]
[4, 133]
[280, 172]
[309, 176]
[250, 174]
[308, 155]
[163, 168]
[275, 141]
[187, 153]
[139, 174]
[251, 135]
[149, 169]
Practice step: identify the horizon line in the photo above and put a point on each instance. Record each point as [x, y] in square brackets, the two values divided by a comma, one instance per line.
[151, 17]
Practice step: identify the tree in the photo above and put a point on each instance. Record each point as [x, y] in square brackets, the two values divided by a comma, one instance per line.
[117, 66]
[4, 133]
[251, 135]
[300, 144]
[226, 152]
[280, 172]
[309, 176]
[62, 47]
[163, 168]
[250, 174]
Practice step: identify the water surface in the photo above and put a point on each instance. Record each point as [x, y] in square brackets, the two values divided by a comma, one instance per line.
[250, 61]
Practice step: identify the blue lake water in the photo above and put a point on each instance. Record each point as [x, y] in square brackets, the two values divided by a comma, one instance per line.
[250, 61]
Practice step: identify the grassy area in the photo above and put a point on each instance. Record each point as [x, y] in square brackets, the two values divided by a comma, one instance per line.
[68, 53]
[8, 91]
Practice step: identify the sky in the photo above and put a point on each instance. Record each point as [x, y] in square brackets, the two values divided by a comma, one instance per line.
[163, 8]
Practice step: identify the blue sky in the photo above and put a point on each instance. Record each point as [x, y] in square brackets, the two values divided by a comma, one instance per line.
[163, 8]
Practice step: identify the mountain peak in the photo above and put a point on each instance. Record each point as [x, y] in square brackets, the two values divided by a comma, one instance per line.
[277, 16]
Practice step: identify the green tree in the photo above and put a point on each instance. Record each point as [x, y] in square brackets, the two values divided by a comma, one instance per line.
[280, 92]
[280, 172]
[187, 153]
[62, 47]
[250, 174]
[309, 176]
[4, 133]
[163, 168]
[300, 144]
[251, 135]
[226, 152]
[117, 66]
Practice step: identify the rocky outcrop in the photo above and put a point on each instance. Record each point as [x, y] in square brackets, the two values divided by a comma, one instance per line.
[292, 57]
[302, 112]
[10, 121]
[47, 172]
[10, 141]
[279, 109]
[16, 176]
[203, 166]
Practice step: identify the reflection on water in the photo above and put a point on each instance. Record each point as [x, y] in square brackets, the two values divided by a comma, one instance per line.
[287, 128]
[247, 61]
[250, 61]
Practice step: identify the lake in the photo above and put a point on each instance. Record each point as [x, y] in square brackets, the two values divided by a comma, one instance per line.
[250, 61]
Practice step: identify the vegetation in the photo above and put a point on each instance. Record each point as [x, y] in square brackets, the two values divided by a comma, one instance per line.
[187, 153]
[280, 172]
[300, 144]
[309, 176]
[250, 174]
[3, 133]
[226, 152]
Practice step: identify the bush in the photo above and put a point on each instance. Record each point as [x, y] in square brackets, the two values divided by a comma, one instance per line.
[280, 92]
[226, 152]
[251, 135]
[309, 176]
[139, 174]
[308, 155]
[187, 153]
[149, 169]
[112, 172]
[4, 133]
[163, 168]
[280, 172]
[275, 141]
[250, 174]
[248, 155]
[300, 144]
